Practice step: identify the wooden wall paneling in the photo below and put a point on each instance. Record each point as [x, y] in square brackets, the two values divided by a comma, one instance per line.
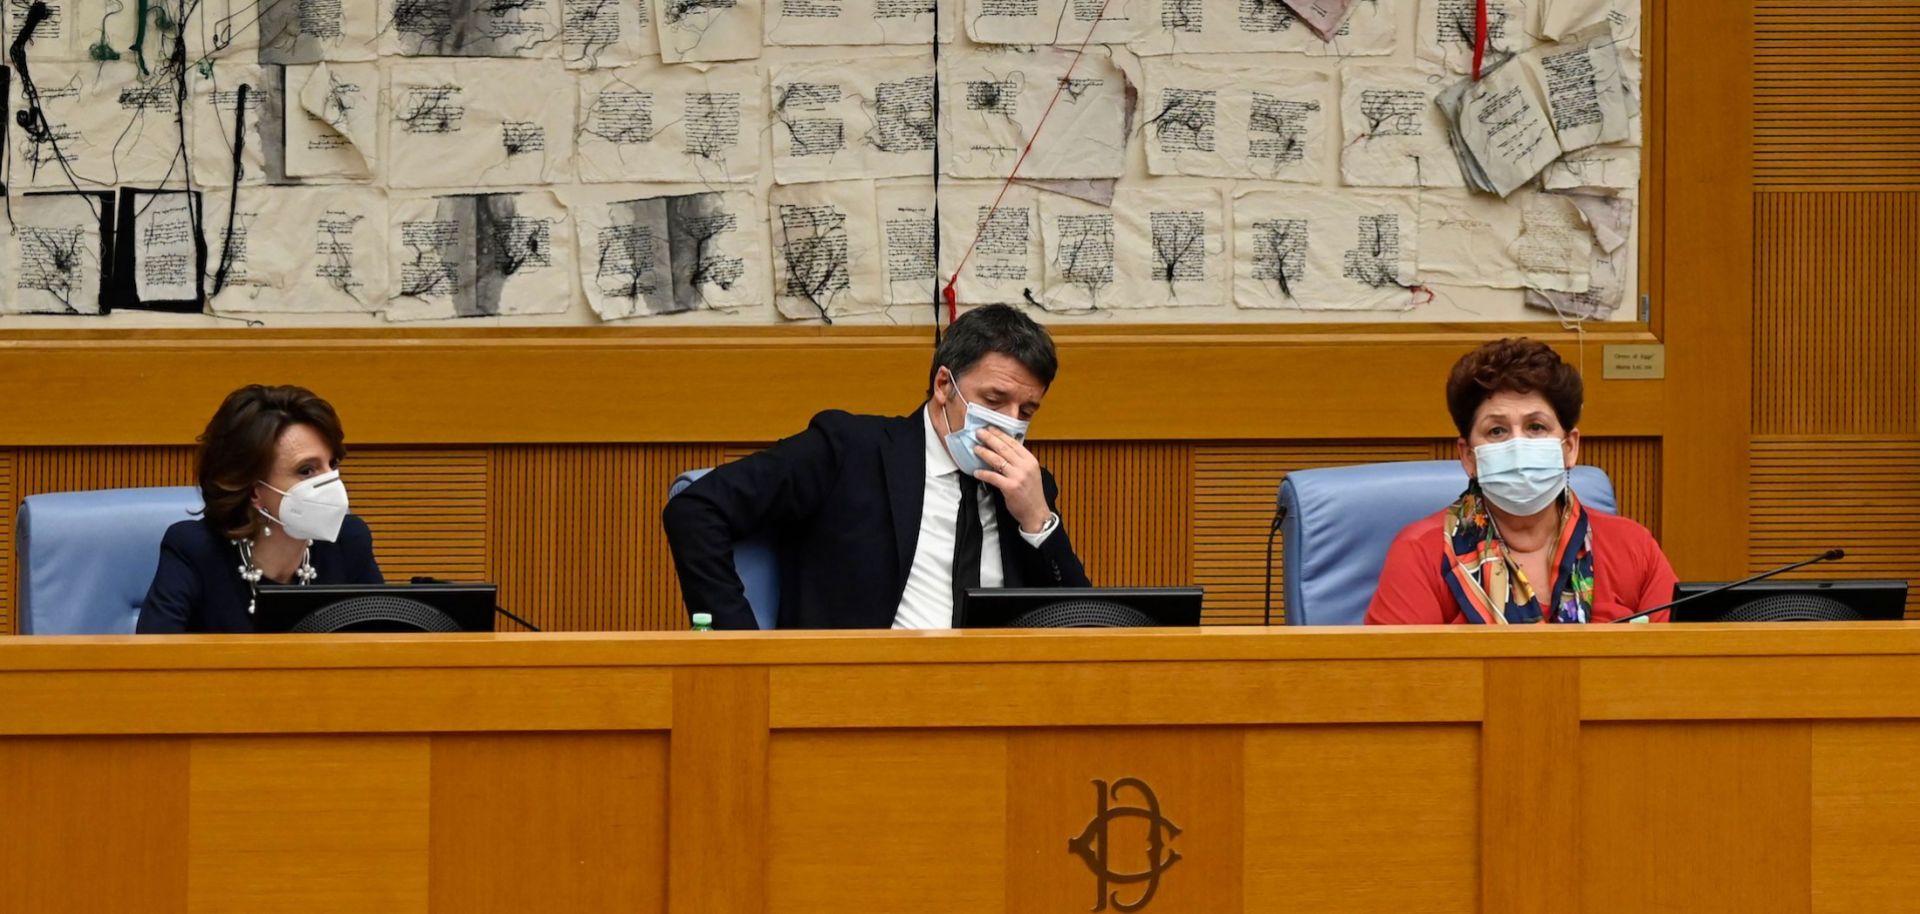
[1837, 309]
[462, 386]
[1858, 494]
[1529, 786]
[93, 824]
[1234, 491]
[62, 469]
[717, 803]
[7, 502]
[1836, 93]
[939, 797]
[563, 822]
[1706, 818]
[1866, 816]
[1309, 847]
[320, 824]
[1706, 301]
[1634, 466]
[427, 509]
[574, 536]
[1196, 776]
[1142, 694]
[1651, 219]
[1128, 508]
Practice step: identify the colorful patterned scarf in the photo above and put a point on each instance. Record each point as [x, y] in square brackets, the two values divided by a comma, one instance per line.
[1489, 587]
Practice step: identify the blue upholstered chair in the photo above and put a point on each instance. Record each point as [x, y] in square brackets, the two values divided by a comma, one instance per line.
[87, 558]
[1338, 522]
[756, 560]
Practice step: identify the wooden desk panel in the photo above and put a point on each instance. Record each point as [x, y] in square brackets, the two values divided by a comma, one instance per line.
[1380, 772]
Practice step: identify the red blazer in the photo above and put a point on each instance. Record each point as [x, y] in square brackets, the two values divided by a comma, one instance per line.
[1630, 574]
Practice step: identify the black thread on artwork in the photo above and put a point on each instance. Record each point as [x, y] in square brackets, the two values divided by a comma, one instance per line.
[6, 121]
[233, 195]
[935, 285]
[33, 120]
[1173, 249]
[1180, 112]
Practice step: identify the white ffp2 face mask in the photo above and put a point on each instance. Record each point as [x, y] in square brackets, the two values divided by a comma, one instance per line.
[314, 509]
[1522, 476]
[962, 441]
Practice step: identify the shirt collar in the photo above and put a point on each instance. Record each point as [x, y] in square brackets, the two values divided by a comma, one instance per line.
[939, 462]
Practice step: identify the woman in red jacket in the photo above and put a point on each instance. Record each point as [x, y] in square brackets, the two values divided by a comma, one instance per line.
[1518, 546]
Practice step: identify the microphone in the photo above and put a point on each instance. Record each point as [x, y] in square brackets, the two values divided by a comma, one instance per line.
[1830, 555]
[428, 579]
[1279, 517]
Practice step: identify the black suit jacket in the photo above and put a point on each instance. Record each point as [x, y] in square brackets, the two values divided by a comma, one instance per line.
[842, 502]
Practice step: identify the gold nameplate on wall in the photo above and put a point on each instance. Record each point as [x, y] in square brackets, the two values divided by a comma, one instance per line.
[1635, 362]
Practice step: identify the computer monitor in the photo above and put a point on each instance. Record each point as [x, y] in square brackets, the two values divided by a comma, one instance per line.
[1793, 601]
[1079, 607]
[321, 608]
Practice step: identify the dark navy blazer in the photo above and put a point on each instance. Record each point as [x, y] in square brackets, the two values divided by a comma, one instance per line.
[198, 587]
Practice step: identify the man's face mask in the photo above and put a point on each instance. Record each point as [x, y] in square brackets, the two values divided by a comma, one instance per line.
[962, 440]
[314, 509]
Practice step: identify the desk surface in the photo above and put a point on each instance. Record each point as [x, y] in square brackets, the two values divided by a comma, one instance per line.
[1602, 769]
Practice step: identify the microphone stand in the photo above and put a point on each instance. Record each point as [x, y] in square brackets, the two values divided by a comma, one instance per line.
[1827, 556]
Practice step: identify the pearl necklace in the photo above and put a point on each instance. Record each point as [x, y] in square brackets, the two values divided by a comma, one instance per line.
[252, 574]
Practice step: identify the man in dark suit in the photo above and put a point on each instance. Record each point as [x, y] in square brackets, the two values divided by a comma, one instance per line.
[883, 522]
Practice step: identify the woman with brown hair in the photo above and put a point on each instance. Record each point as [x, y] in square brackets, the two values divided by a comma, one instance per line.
[276, 511]
[1518, 546]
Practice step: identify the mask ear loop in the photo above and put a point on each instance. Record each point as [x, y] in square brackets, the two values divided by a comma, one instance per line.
[953, 382]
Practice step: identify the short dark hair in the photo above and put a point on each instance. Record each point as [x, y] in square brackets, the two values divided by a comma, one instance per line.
[1518, 365]
[995, 328]
[236, 450]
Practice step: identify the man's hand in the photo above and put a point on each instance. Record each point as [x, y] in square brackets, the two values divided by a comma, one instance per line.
[1012, 469]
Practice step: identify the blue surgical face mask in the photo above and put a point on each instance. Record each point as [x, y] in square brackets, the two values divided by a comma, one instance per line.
[962, 441]
[1522, 476]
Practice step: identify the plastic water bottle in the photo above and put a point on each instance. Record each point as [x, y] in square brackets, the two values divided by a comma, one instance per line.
[702, 622]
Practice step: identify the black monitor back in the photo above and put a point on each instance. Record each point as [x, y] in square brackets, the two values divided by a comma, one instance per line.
[1793, 601]
[1080, 607]
[323, 608]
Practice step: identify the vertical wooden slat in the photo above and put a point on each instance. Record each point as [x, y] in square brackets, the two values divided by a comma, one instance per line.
[574, 535]
[7, 501]
[1857, 494]
[1127, 507]
[1837, 313]
[427, 509]
[66, 469]
[1634, 466]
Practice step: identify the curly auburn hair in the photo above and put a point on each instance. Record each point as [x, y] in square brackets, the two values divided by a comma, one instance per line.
[1518, 365]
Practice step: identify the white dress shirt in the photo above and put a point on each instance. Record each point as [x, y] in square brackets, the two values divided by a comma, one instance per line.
[928, 599]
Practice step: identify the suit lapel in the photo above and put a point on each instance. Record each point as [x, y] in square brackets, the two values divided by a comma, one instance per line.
[904, 462]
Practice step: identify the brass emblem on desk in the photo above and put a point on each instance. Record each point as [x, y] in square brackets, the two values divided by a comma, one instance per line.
[1094, 845]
